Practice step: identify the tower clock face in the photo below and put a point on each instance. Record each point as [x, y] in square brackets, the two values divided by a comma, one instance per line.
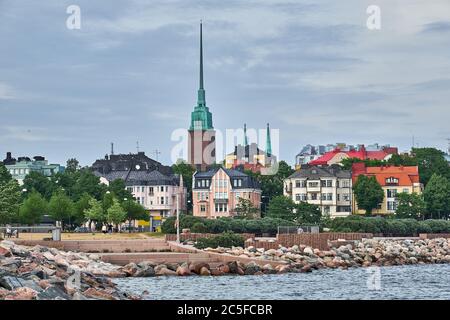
[138, 167]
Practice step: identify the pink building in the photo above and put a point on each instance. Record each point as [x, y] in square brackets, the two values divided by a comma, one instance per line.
[216, 192]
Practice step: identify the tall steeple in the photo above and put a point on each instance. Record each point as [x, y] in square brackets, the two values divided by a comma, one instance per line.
[268, 142]
[245, 135]
[201, 90]
[201, 117]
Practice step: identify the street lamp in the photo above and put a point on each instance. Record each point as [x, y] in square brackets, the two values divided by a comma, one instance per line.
[178, 219]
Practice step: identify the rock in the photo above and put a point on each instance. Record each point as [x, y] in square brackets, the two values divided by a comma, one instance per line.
[224, 268]
[308, 251]
[233, 266]
[12, 283]
[98, 294]
[240, 271]
[159, 267]
[49, 256]
[165, 272]
[78, 296]
[54, 292]
[271, 252]
[217, 272]
[145, 272]
[252, 268]
[130, 269]
[22, 293]
[306, 268]
[183, 271]
[199, 265]
[204, 271]
[172, 266]
[4, 252]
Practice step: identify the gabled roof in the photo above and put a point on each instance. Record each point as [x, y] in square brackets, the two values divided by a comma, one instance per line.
[317, 172]
[406, 175]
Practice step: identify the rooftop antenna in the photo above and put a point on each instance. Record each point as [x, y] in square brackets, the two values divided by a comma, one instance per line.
[112, 148]
[157, 153]
[137, 146]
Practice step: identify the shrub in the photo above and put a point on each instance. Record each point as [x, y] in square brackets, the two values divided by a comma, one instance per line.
[399, 227]
[199, 227]
[258, 226]
[226, 239]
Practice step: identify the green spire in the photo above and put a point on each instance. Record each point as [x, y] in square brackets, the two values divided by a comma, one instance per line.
[268, 142]
[245, 135]
[201, 118]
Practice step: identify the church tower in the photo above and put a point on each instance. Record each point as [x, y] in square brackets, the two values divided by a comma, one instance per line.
[201, 144]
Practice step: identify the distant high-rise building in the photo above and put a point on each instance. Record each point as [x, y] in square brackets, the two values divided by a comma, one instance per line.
[201, 144]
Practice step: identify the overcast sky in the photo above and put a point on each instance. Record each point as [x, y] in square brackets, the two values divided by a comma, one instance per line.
[311, 68]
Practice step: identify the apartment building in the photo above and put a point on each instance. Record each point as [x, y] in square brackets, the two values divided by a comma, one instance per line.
[328, 187]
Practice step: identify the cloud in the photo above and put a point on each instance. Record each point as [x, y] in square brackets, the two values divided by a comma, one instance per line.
[6, 92]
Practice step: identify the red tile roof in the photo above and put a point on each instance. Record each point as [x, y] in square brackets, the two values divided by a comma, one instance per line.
[361, 154]
[406, 176]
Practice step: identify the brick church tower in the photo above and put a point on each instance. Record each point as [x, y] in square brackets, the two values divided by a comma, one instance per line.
[201, 143]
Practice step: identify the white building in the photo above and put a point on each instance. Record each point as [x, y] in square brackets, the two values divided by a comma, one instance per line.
[328, 187]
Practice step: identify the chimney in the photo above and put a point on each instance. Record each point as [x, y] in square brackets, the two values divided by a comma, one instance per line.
[8, 156]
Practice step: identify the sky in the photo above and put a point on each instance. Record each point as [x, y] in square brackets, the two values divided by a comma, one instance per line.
[312, 69]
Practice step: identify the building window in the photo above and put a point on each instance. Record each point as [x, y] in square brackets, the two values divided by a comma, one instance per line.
[392, 205]
[298, 197]
[345, 183]
[405, 190]
[313, 196]
[162, 200]
[329, 196]
[298, 183]
[313, 184]
[391, 193]
[346, 197]
[202, 208]
[207, 183]
[323, 196]
[203, 183]
[161, 189]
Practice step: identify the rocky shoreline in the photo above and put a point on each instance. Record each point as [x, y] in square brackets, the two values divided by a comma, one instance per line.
[41, 273]
[365, 253]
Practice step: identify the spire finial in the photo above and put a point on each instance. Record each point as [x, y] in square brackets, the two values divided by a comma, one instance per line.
[201, 55]
[268, 142]
[245, 135]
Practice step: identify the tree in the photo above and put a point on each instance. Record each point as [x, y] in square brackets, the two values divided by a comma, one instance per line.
[61, 207]
[118, 188]
[40, 183]
[430, 161]
[9, 201]
[87, 182]
[5, 176]
[246, 209]
[272, 185]
[72, 165]
[80, 206]
[95, 211]
[134, 211]
[282, 207]
[186, 171]
[308, 213]
[107, 201]
[33, 208]
[368, 193]
[437, 197]
[410, 205]
[115, 213]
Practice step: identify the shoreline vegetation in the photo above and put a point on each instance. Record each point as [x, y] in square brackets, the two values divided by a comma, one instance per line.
[41, 273]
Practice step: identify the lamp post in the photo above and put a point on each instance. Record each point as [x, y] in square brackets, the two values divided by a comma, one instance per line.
[178, 218]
